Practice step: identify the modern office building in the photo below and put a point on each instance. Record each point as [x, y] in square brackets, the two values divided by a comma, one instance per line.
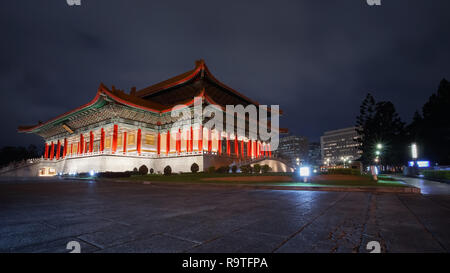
[292, 147]
[314, 154]
[340, 146]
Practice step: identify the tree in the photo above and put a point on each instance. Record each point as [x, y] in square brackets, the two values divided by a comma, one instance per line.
[364, 128]
[257, 168]
[10, 154]
[167, 170]
[265, 168]
[194, 168]
[431, 131]
[223, 169]
[246, 169]
[234, 168]
[143, 170]
[379, 122]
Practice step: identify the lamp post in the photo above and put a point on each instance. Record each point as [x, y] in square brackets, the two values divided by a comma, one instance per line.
[379, 147]
[414, 151]
[414, 156]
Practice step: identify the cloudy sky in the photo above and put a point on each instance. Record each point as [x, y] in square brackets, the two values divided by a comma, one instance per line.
[316, 59]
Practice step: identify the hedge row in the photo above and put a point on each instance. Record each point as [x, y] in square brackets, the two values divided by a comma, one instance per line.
[445, 175]
[343, 171]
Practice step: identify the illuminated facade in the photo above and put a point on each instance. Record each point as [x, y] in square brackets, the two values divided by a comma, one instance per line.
[340, 145]
[119, 131]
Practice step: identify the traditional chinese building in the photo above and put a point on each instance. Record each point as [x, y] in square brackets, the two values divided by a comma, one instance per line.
[119, 131]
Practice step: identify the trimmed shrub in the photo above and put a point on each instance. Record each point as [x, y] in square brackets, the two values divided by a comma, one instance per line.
[223, 169]
[444, 175]
[114, 174]
[234, 168]
[167, 170]
[135, 170]
[343, 171]
[194, 168]
[257, 168]
[152, 171]
[211, 169]
[265, 168]
[143, 170]
[246, 169]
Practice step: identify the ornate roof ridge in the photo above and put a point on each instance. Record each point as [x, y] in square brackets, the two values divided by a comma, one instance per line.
[200, 68]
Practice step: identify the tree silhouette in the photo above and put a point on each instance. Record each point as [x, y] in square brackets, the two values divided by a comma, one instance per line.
[379, 122]
[431, 131]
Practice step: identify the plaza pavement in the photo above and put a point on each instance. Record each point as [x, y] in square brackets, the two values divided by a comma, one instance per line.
[43, 215]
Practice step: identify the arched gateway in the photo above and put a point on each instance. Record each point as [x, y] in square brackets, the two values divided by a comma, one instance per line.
[118, 131]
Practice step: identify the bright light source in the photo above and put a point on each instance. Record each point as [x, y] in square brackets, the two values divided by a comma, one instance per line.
[305, 171]
[92, 173]
[423, 164]
[379, 146]
[315, 171]
[377, 152]
[414, 151]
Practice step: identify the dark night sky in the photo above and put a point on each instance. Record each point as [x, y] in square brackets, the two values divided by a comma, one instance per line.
[316, 59]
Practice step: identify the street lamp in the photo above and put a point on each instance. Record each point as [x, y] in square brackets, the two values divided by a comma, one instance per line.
[414, 151]
[379, 146]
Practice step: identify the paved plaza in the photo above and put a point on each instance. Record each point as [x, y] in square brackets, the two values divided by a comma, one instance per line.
[44, 215]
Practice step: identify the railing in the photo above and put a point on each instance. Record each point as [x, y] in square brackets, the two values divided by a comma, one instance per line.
[136, 154]
[20, 164]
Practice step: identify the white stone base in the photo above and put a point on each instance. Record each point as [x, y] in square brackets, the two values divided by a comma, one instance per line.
[121, 163]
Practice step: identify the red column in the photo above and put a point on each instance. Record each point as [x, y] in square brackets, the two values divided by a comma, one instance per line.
[178, 139]
[52, 151]
[46, 151]
[114, 140]
[139, 141]
[168, 143]
[270, 151]
[236, 146]
[209, 141]
[242, 149]
[91, 142]
[188, 143]
[85, 147]
[58, 149]
[158, 145]
[200, 139]
[191, 141]
[81, 143]
[219, 143]
[254, 149]
[250, 148]
[71, 149]
[124, 142]
[102, 140]
[228, 145]
[65, 148]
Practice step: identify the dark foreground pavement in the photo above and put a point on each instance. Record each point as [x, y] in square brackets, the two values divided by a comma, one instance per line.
[43, 216]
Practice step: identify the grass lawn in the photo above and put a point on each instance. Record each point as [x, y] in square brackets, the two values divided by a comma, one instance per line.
[318, 181]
